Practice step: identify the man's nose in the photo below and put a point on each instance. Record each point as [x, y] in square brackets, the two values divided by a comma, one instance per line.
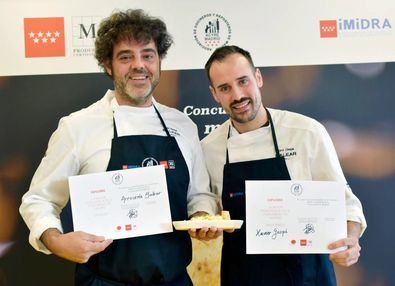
[136, 64]
[237, 93]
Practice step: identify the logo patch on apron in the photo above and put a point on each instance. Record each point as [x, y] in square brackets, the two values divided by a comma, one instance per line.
[149, 162]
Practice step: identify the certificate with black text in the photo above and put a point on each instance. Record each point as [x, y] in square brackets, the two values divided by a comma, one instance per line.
[121, 204]
[294, 216]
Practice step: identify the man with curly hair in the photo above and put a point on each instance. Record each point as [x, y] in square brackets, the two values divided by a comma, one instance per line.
[122, 129]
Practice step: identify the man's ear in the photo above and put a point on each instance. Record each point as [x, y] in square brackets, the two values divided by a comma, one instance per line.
[212, 90]
[258, 77]
[108, 67]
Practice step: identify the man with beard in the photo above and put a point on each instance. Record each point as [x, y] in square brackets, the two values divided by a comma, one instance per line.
[250, 146]
[122, 129]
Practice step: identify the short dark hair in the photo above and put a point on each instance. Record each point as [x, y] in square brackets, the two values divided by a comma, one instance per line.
[130, 25]
[222, 53]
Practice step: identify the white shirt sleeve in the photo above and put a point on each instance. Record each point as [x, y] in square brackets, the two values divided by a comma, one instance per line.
[48, 192]
[200, 198]
[325, 165]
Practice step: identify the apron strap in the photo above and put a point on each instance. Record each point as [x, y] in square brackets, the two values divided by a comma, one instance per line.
[160, 118]
[273, 137]
[273, 133]
[227, 138]
[115, 127]
[162, 121]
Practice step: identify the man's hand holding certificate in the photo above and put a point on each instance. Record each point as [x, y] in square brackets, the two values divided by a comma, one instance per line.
[294, 216]
[121, 204]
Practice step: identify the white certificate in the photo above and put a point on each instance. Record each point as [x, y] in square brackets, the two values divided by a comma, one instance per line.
[294, 216]
[121, 204]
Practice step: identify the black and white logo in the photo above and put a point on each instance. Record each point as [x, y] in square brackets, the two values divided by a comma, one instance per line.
[84, 34]
[296, 189]
[149, 162]
[212, 31]
[117, 178]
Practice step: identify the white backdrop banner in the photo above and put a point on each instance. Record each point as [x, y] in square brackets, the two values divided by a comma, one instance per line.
[57, 36]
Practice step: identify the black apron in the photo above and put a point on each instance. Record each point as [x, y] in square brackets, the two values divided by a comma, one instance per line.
[238, 268]
[149, 260]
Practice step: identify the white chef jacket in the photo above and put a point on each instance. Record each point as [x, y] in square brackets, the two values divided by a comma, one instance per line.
[82, 144]
[305, 144]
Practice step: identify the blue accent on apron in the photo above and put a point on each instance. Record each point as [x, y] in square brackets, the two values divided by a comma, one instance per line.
[238, 268]
[149, 260]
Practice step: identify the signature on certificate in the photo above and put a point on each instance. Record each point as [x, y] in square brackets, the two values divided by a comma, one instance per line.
[132, 213]
[309, 228]
[273, 234]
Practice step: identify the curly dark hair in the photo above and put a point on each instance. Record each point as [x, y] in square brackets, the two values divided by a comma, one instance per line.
[130, 25]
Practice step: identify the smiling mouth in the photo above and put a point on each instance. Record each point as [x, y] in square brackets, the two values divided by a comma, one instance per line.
[138, 77]
[241, 106]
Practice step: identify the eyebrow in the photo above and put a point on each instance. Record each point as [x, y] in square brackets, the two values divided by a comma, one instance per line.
[239, 78]
[147, 50]
[221, 85]
[150, 50]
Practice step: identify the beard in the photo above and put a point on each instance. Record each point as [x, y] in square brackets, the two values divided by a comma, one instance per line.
[137, 96]
[246, 116]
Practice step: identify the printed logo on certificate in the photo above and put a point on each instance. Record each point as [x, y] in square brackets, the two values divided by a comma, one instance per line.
[294, 216]
[123, 203]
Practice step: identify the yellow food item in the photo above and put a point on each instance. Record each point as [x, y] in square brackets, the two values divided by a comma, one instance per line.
[224, 215]
[204, 269]
[207, 217]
